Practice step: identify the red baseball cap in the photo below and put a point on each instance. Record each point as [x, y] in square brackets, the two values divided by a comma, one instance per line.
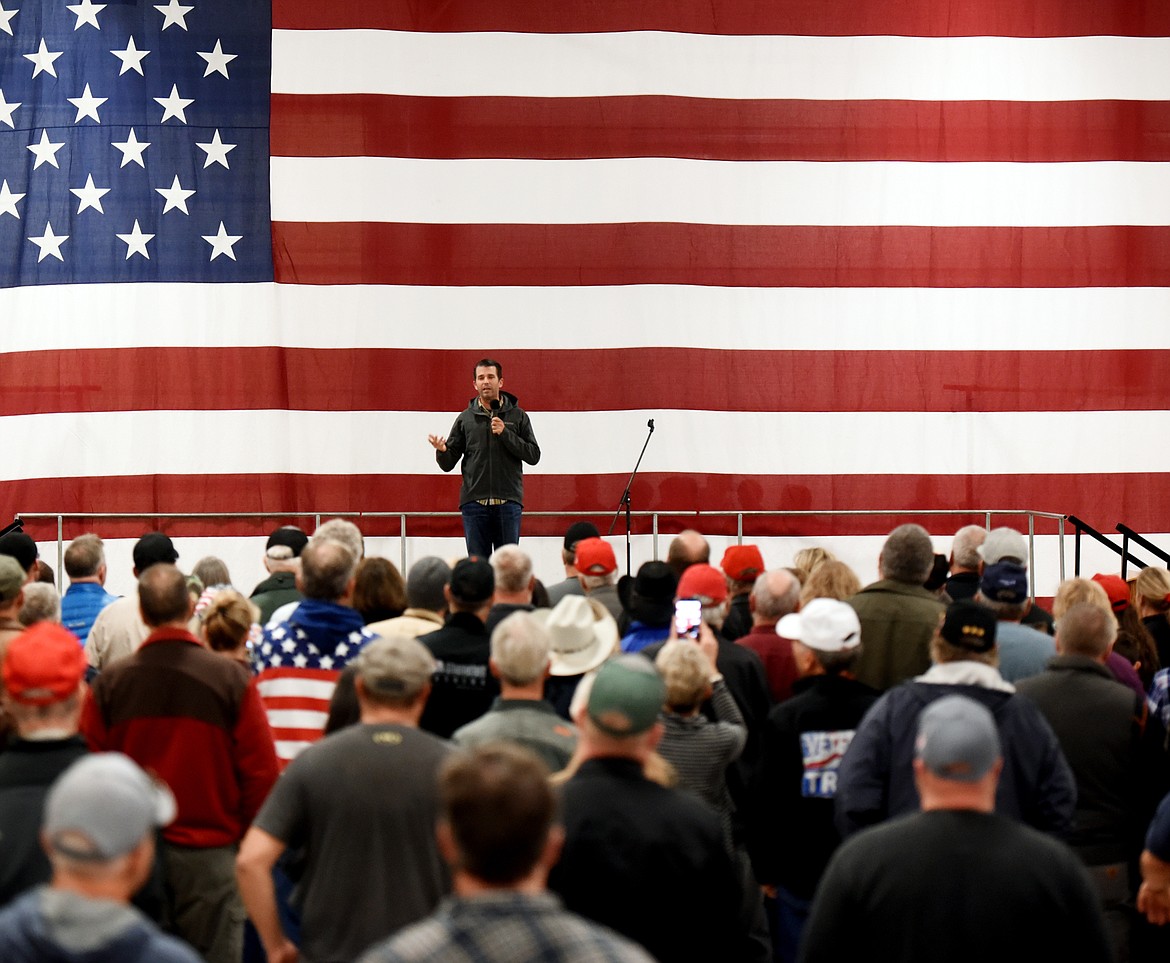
[1116, 588]
[742, 563]
[702, 580]
[595, 557]
[43, 664]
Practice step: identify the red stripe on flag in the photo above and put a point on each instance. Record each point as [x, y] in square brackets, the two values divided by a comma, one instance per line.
[724, 255]
[357, 125]
[361, 379]
[940, 18]
[1101, 498]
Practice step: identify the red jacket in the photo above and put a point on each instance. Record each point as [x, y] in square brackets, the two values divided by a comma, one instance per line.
[776, 654]
[194, 719]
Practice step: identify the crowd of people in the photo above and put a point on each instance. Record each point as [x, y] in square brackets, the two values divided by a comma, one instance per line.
[692, 762]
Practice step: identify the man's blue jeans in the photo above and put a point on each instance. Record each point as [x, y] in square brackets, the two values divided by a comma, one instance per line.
[487, 527]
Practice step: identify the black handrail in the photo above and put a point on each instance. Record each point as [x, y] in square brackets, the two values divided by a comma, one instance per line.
[1129, 535]
[16, 526]
[1082, 526]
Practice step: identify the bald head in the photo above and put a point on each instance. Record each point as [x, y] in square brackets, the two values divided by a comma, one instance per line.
[163, 596]
[775, 595]
[686, 549]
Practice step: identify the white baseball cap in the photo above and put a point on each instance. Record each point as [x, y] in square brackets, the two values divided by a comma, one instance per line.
[824, 624]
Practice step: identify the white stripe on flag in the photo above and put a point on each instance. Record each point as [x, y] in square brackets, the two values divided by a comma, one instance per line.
[296, 687]
[420, 317]
[670, 189]
[699, 65]
[290, 748]
[297, 719]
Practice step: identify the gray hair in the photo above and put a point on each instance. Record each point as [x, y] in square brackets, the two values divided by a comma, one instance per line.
[1004, 611]
[591, 582]
[513, 568]
[714, 615]
[965, 547]
[84, 556]
[425, 582]
[41, 604]
[907, 555]
[521, 648]
[777, 594]
[326, 568]
[340, 530]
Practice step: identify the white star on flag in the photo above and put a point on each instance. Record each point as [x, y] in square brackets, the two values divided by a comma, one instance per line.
[132, 149]
[221, 242]
[131, 58]
[174, 105]
[300, 660]
[326, 662]
[174, 13]
[6, 110]
[50, 244]
[217, 60]
[216, 151]
[176, 196]
[289, 646]
[86, 12]
[6, 19]
[8, 201]
[87, 105]
[136, 242]
[90, 196]
[46, 151]
[43, 60]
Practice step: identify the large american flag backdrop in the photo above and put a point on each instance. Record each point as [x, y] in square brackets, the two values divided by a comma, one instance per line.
[847, 254]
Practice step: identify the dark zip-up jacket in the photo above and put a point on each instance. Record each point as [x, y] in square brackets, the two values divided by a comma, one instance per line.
[492, 464]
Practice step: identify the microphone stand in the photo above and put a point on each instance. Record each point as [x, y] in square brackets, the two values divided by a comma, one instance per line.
[625, 499]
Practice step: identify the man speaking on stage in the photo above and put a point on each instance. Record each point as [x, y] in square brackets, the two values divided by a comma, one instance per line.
[494, 437]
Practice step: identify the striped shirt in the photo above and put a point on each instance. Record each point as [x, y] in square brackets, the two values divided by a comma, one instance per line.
[297, 665]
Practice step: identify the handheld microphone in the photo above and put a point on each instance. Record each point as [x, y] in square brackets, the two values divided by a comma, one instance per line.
[495, 406]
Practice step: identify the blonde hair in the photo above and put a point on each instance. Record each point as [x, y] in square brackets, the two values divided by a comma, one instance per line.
[1077, 591]
[811, 558]
[831, 580]
[1152, 588]
[227, 620]
[687, 674]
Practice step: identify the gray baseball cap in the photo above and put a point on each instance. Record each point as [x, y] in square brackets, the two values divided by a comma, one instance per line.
[102, 806]
[957, 739]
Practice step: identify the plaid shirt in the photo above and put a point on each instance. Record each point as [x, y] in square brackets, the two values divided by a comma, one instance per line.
[1159, 698]
[506, 926]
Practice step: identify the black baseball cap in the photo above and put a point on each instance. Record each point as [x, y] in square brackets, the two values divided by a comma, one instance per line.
[153, 548]
[21, 547]
[578, 531]
[472, 580]
[288, 536]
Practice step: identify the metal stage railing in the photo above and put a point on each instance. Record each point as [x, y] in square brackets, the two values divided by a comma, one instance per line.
[404, 518]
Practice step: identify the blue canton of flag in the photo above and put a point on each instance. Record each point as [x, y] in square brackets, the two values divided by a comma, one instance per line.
[134, 141]
[287, 646]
